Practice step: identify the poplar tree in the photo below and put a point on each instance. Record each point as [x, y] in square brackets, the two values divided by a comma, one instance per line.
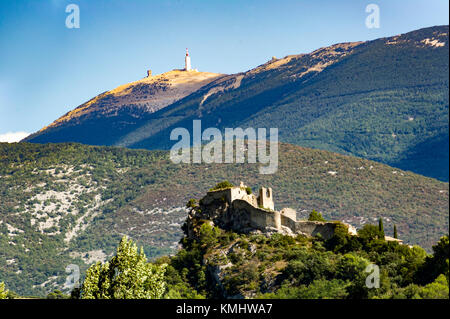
[381, 228]
[3, 291]
[127, 275]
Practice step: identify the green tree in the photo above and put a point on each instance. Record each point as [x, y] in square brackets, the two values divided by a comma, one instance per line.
[395, 231]
[3, 291]
[57, 294]
[351, 268]
[208, 235]
[437, 264]
[441, 256]
[340, 238]
[369, 233]
[178, 286]
[318, 289]
[222, 185]
[381, 228]
[436, 290]
[316, 216]
[127, 275]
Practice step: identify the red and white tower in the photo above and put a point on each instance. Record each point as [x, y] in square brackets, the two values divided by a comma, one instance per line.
[187, 61]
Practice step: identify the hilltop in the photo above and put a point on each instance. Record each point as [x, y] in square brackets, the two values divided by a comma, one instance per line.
[115, 111]
[384, 100]
[64, 204]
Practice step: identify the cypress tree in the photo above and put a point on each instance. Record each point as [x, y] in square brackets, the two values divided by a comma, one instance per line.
[395, 231]
[381, 228]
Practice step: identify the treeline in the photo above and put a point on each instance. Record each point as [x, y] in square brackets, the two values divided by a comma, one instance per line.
[305, 268]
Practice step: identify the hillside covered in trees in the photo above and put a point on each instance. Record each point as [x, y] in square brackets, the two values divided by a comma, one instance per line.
[219, 264]
[64, 204]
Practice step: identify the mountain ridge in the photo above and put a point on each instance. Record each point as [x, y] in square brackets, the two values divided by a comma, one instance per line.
[390, 96]
[142, 96]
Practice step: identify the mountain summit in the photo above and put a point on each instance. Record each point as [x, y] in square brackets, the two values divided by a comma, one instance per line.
[124, 106]
[384, 100]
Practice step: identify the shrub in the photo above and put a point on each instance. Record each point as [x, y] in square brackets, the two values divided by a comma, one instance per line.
[192, 203]
[316, 216]
[222, 185]
[3, 291]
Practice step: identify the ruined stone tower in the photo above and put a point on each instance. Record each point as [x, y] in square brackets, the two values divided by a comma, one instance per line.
[265, 198]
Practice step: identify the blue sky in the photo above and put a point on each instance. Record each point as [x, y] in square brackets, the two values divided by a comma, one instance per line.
[47, 69]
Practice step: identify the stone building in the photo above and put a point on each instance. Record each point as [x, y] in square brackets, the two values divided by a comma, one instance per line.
[236, 209]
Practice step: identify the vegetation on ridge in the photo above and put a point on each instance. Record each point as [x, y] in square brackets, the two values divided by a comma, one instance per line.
[45, 190]
[217, 264]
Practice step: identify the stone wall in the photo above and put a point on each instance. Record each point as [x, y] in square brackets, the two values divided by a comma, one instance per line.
[211, 196]
[290, 213]
[258, 218]
[230, 195]
[265, 198]
[288, 222]
[240, 193]
[313, 228]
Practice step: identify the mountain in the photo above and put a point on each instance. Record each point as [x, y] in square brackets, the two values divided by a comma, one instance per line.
[114, 113]
[384, 100]
[63, 204]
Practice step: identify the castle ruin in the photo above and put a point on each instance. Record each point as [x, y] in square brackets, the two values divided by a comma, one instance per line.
[236, 209]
